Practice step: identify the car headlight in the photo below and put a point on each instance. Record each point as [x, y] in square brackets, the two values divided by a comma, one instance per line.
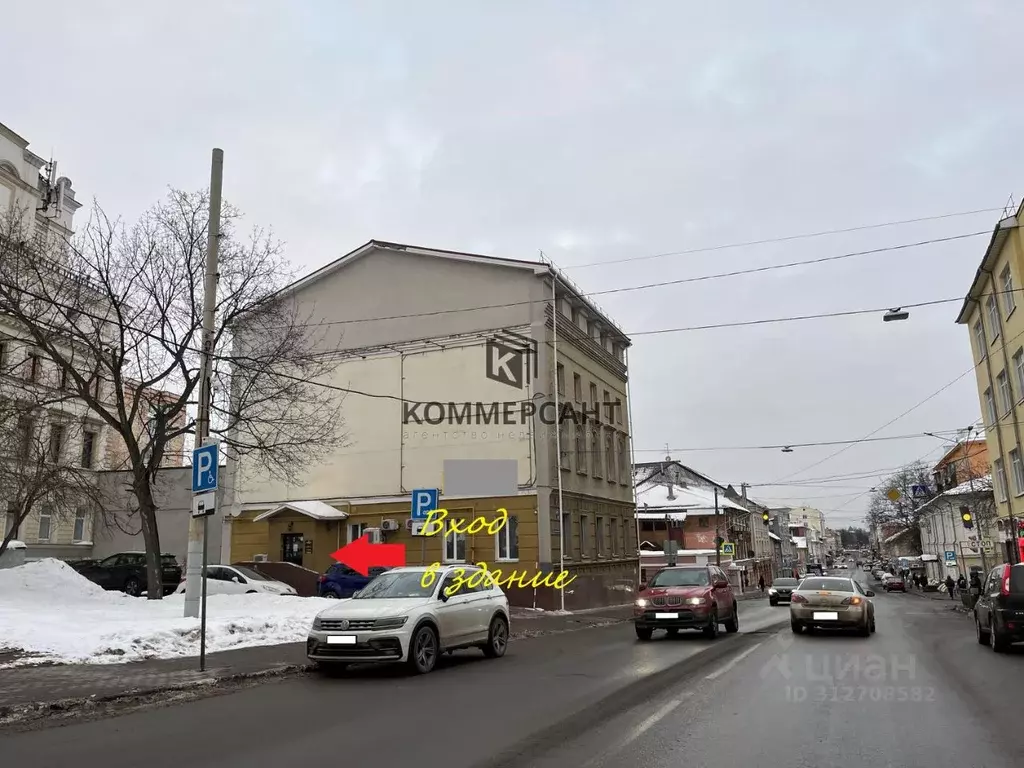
[392, 623]
[772, 591]
[641, 603]
[695, 601]
[316, 623]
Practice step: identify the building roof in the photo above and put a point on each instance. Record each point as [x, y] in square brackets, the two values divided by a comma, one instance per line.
[656, 496]
[995, 246]
[966, 488]
[667, 515]
[317, 510]
[537, 267]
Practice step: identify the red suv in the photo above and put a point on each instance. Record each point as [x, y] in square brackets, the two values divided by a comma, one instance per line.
[686, 597]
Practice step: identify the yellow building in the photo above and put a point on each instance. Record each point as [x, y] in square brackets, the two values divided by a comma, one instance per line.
[997, 341]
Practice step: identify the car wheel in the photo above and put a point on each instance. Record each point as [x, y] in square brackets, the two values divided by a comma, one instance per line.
[711, 630]
[424, 650]
[330, 594]
[133, 587]
[644, 633]
[865, 631]
[497, 638]
[733, 624]
[997, 641]
[982, 635]
[872, 622]
[796, 626]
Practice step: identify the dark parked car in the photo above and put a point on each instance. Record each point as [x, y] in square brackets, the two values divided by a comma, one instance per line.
[686, 597]
[340, 581]
[126, 572]
[781, 590]
[999, 612]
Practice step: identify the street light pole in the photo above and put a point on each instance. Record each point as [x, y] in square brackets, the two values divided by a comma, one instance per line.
[718, 535]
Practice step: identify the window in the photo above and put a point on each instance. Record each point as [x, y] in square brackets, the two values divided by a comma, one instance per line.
[1000, 470]
[5, 352]
[584, 536]
[595, 452]
[26, 432]
[618, 410]
[577, 388]
[96, 388]
[702, 522]
[615, 531]
[599, 537]
[88, 449]
[566, 528]
[564, 449]
[1018, 367]
[990, 406]
[56, 444]
[624, 463]
[595, 330]
[32, 367]
[993, 317]
[506, 541]
[581, 449]
[80, 518]
[1006, 278]
[609, 456]
[1018, 472]
[979, 338]
[606, 405]
[560, 379]
[1005, 395]
[44, 524]
[593, 397]
[355, 530]
[454, 543]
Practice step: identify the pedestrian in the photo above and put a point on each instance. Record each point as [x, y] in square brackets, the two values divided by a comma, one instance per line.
[975, 587]
[961, 583]
[760, 582]
[950, 585]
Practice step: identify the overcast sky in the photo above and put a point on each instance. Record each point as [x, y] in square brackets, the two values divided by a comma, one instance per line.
[598, 131]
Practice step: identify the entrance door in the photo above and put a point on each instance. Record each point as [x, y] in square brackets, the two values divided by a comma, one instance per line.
[291, 548]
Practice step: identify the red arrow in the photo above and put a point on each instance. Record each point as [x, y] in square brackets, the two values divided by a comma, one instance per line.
[361, 555]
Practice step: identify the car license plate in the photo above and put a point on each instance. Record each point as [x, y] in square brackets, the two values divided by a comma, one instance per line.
[666, 615]
[341, 639]
[825, 616]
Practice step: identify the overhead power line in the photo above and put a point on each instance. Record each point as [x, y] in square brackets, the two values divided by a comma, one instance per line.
[785, 238]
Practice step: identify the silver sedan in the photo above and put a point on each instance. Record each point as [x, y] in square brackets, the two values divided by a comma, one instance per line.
[831, 601]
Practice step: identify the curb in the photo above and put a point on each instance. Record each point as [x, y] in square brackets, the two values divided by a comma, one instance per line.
[71, 708]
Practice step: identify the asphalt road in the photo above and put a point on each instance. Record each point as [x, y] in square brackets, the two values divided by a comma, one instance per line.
[921, 691]
[467, 712]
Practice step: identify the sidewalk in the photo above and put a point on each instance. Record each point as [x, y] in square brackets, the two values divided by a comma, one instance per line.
[46, 685]
[955, 603]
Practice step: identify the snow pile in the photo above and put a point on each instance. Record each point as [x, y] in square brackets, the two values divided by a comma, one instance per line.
[52, 614]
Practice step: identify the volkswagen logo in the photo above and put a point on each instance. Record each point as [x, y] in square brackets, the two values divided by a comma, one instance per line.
[344, 623]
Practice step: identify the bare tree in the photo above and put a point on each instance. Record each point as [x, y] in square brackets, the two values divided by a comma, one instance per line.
[903, 512]
[46, 442]
[119, 311]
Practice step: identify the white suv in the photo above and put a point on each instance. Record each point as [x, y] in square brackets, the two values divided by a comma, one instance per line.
[396, 618]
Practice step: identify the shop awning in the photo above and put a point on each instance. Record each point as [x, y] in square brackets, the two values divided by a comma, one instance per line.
[317, 510]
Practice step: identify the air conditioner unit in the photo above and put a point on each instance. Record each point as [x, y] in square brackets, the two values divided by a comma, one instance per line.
[374, 535]
[260, 559]
[389, 525]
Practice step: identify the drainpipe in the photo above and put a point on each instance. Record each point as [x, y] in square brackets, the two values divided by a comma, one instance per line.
[995, 397]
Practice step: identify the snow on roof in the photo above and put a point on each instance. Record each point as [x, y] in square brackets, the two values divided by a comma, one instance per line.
[660, 553]
[977, 485]
[317, 510]
[656, 496]
[677, 516]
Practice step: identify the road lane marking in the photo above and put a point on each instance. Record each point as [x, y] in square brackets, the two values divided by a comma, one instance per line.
[722, 670]
[647, 723]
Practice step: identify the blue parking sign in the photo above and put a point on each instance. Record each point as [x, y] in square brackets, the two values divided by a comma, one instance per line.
[205, 461]
[424, 500]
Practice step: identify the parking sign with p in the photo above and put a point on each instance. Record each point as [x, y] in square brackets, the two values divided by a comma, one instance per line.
[424, 500]
[204, 468]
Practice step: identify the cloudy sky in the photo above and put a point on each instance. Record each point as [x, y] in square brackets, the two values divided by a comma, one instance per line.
[600, 132]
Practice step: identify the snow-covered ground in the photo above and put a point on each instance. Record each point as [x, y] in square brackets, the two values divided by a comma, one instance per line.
[52, 614]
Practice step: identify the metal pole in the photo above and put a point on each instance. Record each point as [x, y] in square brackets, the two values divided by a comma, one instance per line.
[558, 433]
[195, 576]
[202, 620]
[718, 547]
[632, 463]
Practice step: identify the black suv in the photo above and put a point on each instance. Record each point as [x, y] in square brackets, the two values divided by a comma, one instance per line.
[999, 612]
[126, 572]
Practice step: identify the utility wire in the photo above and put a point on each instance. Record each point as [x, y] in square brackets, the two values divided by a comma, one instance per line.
[784, 239]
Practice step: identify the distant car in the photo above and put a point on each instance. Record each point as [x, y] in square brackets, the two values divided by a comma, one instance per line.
[781, 589]
[895, 584]
[686, 597]
[239, 580]
[999, 612]
[398, 619]
[832, 602]
[126, 572]
[341, 582]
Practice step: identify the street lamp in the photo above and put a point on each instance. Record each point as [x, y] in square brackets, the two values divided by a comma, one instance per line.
[895, 314]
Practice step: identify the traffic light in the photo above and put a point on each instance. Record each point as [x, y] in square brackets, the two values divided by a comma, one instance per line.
[719, 541]
[967, 517]
[766, 519]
